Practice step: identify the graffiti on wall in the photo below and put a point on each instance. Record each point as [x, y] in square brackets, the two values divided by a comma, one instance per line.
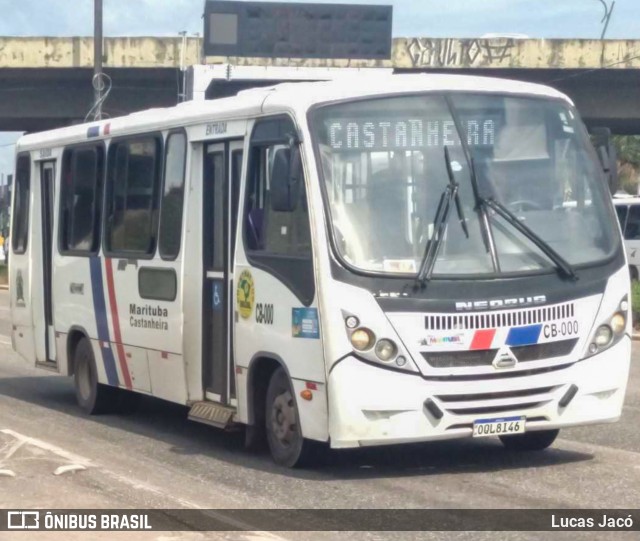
[452, 53]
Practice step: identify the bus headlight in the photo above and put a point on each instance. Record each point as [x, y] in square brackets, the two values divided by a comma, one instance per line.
[351, 322]
[362, 339]
[603, 336]
[611, 331]
[386, 350]
[618, 323]
[369, 346]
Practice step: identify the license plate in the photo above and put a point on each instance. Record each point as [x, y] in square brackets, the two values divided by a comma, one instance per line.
[498, 427]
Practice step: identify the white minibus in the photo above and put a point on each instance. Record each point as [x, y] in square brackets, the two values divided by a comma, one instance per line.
[357, 262]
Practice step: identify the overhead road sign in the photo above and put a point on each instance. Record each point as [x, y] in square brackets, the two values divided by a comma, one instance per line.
[294, 30]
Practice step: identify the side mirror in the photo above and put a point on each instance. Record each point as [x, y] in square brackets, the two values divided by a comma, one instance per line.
[606, 150]
[286, 177]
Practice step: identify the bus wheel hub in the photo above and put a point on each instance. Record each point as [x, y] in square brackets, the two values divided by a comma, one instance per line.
[283, 417]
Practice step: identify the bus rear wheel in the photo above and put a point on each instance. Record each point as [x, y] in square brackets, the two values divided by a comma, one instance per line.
[92, 397]
[530, 441]
[284, 435]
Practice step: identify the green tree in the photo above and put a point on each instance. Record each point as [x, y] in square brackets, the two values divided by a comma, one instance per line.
[628, 148]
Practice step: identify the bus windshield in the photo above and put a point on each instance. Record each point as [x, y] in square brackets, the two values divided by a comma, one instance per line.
[384, 170]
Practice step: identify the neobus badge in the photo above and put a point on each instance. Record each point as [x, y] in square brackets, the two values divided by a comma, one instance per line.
[495, 304]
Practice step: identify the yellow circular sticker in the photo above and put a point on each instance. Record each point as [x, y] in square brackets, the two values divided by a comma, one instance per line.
[245, 294]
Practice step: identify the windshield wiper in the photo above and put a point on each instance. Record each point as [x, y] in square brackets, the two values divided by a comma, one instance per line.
[562, 264]
[480, 207]
[456, 195]
[482, 204]
[449, 195]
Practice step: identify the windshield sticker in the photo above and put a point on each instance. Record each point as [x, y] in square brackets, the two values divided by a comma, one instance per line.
[245, 295]
[304, 323]
[410, 133]
[399, 265]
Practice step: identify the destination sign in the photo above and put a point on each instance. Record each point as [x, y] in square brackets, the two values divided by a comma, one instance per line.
[405, 134]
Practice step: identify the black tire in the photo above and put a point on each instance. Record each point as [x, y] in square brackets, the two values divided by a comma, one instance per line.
[284, 435]
[93, 397]
[530, 441]
[633, 272]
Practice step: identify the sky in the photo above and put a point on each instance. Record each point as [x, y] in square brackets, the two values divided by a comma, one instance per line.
[428, 18]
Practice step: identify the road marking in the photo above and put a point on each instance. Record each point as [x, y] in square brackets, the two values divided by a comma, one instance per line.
[73, 458]
[252, 533]
[141, 485]
[11, 451]
[69, 468]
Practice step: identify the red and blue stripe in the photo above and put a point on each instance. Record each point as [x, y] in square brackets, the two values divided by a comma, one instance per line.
[97, 131]
[517, 336]
[102, 323]
[523, 336]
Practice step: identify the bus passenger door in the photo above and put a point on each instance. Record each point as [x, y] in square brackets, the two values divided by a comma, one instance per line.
[221, 179]
[47, 183]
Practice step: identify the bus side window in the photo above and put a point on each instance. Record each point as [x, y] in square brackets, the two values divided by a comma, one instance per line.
[277, 241]
[132, 203]
[80, 199]
[20, 228]
[621, 211]
[632, 231]
[173, 196]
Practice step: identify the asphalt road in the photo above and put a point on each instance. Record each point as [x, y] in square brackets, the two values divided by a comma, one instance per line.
[155, 458]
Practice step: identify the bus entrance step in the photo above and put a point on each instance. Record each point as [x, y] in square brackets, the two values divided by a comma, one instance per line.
[212, 414]
[48, 365]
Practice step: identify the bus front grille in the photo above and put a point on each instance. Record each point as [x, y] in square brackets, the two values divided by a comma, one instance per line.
[484, 357]
[504, 318]
[460, 359]
[498, 401]
[537, 352]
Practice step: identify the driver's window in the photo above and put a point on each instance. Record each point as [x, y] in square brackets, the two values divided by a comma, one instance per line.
[285, 233]
[276, 241]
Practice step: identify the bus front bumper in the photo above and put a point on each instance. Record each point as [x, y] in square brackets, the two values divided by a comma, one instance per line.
[376, 406]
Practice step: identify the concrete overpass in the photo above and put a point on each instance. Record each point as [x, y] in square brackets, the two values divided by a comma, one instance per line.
[45, 82]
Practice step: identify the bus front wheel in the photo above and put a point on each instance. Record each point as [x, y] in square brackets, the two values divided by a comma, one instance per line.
[92, 397]
[530, 441]
[284, 435]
